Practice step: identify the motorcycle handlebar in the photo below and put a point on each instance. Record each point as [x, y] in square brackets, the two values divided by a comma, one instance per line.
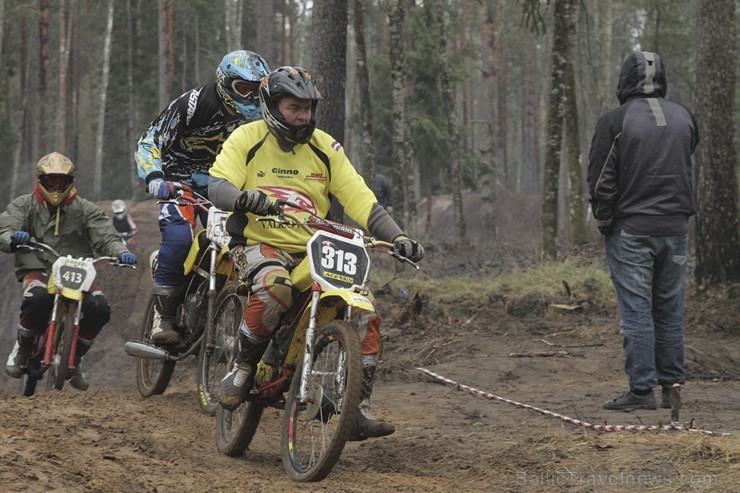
[33, 244]
[311, 226]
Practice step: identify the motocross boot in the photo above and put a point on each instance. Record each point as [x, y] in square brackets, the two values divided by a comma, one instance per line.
[78, 380]
[165, 305]
[366, 426]
[237, 384]
[18, 359]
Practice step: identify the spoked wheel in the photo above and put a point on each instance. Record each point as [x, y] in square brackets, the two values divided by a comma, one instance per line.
[234, 429]
[152, 376]
[213, 358]
[63, 347]
[314, 432]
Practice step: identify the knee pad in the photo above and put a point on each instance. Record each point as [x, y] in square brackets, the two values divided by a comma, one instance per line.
[95, 314]
[36, 308]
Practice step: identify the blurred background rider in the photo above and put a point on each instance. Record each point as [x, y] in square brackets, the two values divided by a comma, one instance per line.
[123, 221]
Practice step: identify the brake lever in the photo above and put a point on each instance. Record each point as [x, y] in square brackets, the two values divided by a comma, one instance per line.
[401, 258]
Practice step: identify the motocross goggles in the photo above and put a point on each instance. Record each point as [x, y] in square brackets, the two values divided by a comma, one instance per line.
[56, 183]
[245, 89]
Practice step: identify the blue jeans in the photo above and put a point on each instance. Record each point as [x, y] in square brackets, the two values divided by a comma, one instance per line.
[648, 273]
[177, 224]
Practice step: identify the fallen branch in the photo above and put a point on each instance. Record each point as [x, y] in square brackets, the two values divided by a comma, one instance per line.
[541, 354]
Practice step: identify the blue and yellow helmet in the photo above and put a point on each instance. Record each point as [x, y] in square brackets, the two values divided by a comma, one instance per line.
[239, 76]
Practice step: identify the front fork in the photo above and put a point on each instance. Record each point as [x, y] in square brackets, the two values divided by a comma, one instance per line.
[51, 335]
[309, 350]
[208, 338]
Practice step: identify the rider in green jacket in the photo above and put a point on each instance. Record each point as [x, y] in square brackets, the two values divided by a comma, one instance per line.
[55, 215]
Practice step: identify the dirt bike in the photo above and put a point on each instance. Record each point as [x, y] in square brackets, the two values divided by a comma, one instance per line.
[127, 238]
[56, 348]
[312, 367]
[207, 301]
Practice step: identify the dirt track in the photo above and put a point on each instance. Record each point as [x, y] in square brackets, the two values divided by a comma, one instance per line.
[111, 440]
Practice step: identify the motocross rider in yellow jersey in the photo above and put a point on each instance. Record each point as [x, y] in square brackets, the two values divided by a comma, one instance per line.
[283, 156]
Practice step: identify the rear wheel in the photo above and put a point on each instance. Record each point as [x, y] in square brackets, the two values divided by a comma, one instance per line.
[314, 431]
[235, 429]
[152, 375]
[64, 338]
[213, 360]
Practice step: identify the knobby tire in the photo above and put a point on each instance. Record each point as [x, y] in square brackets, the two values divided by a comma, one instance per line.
[152, 376]
[213, 360]
[314, 433]
[235, 429]
[62, 348]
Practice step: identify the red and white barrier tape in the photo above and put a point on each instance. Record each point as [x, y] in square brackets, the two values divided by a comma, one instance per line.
[577, 422]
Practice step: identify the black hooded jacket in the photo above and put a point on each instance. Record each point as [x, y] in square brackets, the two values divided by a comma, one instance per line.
[640, 175]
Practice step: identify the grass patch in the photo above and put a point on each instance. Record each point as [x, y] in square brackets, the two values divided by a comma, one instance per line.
[584, 280]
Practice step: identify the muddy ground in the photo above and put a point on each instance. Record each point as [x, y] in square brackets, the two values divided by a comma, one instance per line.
[109, 439]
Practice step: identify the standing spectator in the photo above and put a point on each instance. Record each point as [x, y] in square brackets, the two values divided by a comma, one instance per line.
[640, 181]
[180, 146]
[383, 190]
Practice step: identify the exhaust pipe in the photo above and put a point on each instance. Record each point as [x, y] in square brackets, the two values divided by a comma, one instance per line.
[146, 351]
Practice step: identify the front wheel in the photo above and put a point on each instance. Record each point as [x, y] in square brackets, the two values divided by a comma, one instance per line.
[152, 376]
[64, 338]
[214, 350]
[314, 431]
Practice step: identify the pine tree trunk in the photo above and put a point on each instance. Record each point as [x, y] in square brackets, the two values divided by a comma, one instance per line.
[455, 171]
[103, 90]
[396, 21]
[132, 107]
[717, 252]
[551, 175]
[575, 168]
[265, 42]
[65, 33]
[42, 142]
[368, 150]
[330, 52]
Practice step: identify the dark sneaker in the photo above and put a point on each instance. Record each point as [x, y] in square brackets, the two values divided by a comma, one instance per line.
[628, 401]
[368, 427]
[235, 386]
[78, 380]
[17, 362]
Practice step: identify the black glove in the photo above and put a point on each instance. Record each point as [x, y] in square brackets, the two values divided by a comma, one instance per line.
[19, 238]
[408, 248]
[255, 202]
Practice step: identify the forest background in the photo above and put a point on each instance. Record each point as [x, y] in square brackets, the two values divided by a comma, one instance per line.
[449, 97]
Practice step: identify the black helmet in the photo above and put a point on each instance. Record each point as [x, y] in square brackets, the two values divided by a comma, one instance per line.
[288, 81]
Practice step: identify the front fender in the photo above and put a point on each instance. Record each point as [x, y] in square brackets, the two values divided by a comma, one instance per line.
[194, 252]
[330, 302]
